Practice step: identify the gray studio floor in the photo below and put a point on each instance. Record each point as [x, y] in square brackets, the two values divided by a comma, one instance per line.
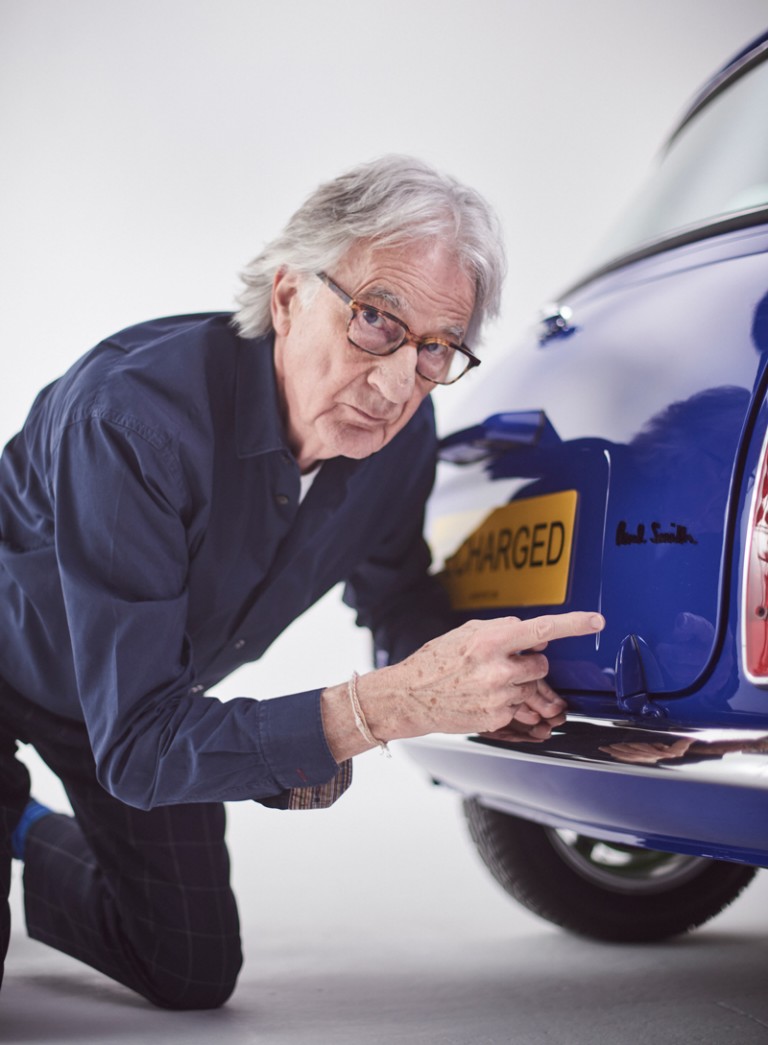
[374, 921]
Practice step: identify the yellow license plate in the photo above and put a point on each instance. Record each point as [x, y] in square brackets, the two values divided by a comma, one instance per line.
[520, 555]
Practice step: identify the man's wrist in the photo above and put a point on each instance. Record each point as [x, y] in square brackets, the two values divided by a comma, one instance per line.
[372, 693]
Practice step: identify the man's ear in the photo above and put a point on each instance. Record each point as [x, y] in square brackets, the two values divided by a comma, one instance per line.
[284, 290]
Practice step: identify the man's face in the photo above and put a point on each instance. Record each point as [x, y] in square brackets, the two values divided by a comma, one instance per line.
[336, 399]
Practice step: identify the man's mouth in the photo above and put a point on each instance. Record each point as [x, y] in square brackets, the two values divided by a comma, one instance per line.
[372, 419]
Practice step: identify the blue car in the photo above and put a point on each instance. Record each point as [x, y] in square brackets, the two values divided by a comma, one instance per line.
[619, 461]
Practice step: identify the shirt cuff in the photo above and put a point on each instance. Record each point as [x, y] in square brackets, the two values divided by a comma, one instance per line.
[323, 795]
[294, 743]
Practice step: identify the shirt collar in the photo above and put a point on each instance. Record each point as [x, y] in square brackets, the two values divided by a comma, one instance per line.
[258, 424]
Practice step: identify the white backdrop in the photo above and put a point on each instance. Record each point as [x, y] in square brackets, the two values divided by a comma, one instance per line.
[150, 147]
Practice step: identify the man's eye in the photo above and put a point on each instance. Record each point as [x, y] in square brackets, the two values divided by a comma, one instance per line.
[372, 317]
[435, 350]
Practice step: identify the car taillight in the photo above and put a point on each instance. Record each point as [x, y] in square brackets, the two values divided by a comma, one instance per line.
[755, 619]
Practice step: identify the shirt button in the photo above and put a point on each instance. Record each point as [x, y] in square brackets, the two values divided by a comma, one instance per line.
[282, 498]
[240, 643]
[196, 689]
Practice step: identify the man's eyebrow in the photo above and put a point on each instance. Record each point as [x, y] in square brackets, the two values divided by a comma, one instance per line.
[456, 334]
[379, 295]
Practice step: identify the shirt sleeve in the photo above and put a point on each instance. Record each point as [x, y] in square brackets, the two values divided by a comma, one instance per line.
[121, 545]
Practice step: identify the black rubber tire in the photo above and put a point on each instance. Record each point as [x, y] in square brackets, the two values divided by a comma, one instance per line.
[530, 863]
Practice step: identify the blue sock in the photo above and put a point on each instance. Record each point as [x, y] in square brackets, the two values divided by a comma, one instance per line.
[32, 812]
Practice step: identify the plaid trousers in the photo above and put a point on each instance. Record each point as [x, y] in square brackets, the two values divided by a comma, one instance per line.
[142, 896]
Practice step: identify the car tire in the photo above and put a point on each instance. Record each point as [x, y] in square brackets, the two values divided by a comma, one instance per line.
[603, 890]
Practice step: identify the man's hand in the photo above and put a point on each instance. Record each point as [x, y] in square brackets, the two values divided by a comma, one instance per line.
[481, 677]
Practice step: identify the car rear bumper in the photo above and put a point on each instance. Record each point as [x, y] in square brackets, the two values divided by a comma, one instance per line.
[711, 800]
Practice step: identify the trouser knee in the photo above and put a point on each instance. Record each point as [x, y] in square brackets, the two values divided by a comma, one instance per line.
[208, 987]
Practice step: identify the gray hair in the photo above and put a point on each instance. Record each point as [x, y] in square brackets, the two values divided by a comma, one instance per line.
[389, 201]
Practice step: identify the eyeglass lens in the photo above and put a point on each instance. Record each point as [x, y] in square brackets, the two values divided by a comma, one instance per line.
[379, 334]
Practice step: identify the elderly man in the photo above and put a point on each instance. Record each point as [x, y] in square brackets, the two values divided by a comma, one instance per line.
[173, 502]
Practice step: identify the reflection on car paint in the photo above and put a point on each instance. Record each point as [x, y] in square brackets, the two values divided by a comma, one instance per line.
[657, 578]
[654, 410]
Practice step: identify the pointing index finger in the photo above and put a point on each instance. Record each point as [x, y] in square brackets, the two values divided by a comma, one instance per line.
[530, 633]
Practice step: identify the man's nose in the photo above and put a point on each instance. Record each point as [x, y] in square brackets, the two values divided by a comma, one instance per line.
[394, 376]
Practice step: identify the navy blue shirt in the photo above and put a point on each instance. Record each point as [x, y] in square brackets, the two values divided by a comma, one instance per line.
[152, 540]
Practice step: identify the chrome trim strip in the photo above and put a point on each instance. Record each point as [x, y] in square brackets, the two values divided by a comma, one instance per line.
[707, 228]
[731, 757]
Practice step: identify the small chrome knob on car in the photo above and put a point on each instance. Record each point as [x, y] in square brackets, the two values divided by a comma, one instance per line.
[555, 321]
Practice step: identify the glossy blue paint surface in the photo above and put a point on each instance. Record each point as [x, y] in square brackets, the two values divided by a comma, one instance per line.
[651, 404]
[655, 399]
